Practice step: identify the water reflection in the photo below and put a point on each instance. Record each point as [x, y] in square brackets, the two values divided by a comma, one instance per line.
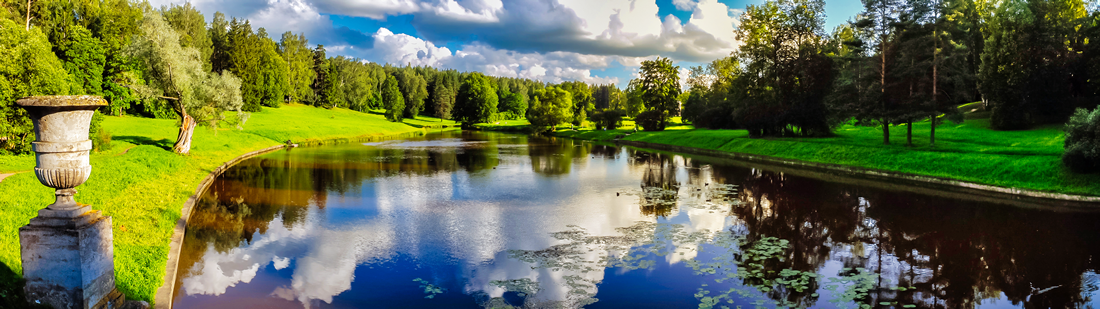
[494, 221]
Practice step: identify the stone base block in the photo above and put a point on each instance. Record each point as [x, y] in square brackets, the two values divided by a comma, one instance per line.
[68, 260]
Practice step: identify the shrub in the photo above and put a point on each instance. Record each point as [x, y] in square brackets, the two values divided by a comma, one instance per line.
[652, 120]
[1082, 145]
[101, 139]
[610, 119]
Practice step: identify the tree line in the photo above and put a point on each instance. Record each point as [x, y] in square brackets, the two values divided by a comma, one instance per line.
[169, 62]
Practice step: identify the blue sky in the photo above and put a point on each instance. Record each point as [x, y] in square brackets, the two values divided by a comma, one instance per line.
[597, 41]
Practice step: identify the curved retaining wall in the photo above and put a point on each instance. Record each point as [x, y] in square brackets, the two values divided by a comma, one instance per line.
[166, 292]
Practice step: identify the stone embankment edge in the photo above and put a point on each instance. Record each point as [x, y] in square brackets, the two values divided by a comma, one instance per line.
[1079, 201]
[165, 293]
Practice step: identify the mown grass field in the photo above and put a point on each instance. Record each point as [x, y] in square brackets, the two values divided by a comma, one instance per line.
[142, 185]
[969, 151]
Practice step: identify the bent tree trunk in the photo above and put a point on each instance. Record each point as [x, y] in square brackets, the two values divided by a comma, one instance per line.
[183, 142]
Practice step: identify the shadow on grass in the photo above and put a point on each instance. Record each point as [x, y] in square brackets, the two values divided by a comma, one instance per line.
[11, 290]
[142, 140]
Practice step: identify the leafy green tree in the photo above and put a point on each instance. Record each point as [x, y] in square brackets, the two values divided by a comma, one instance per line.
[787, 71]
[583, 102]
[331, 92]
[392, 99]
[175, 75]
[550, 107]
[1027, 63]
[443, 98]
[116, 27]
[325, 91]
[84, 58]
[635, 103]
[27, 68]
[514, 105]
[476, 100]
[191, 25]
[252, 57]
[295, 51]
[274, 72]
[414, 88]
[355, 82]
[660, 86]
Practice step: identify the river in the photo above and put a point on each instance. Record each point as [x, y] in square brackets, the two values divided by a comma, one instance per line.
[489, 220]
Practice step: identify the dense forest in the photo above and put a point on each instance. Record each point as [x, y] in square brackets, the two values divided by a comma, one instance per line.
[899, 61]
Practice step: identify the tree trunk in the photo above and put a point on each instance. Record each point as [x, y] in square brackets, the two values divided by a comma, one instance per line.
[885, 131]
[882, 87]
[183, 142]
[935, 105]
[909, 133]
[28, 15]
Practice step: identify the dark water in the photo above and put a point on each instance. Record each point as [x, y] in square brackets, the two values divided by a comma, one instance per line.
[471, 220]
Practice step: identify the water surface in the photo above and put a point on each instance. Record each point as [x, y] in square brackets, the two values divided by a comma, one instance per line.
[483, 220]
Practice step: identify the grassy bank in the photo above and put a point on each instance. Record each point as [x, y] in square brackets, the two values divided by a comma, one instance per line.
[142, 185]
[969, 151]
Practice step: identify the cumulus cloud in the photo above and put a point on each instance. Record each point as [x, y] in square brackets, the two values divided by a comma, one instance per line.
[555, 67]
[549, 40]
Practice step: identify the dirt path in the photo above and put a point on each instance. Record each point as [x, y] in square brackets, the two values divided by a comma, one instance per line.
[5, 175]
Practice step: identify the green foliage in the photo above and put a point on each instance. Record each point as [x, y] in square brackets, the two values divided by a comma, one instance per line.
[660, 87]
[550, 107]
[610, 119]
[356, 83]
[444, 101]
[100, 137]
[652, 120]
[476, 100]
[583, 102]
[84, 58]
[331, 92]
[1027, 67]
[191, 25]
[415, 89]
[514, 105]
[27, 68]
[175, 77]
[1082, 142]
[295, 51]
[252, 56]
[430, 290]
[392, 99]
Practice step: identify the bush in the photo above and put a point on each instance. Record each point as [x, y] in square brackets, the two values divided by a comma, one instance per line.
[610, 119]
[1082, 146]
[101, 139]
[653, 120]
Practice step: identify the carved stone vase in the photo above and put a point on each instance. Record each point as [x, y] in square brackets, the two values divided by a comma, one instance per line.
[61, 146]
[67, 250]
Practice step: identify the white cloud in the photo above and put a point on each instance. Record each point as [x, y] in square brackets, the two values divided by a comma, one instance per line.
[555, 67]
[549, 40]
[376, 9]
[401, 49]
[685, 5]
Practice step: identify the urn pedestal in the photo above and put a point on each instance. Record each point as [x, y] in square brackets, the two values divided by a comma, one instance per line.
[67, 250]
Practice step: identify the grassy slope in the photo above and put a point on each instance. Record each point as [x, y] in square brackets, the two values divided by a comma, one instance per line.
[969, 151]
[142, 185]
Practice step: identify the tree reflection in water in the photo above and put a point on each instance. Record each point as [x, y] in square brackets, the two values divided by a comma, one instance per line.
[771, 239]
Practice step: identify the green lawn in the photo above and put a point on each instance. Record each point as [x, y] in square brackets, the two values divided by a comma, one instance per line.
[142, 185]
[969, 151]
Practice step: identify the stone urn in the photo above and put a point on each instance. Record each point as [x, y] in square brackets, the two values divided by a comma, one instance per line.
[61, 145]
[68, 249]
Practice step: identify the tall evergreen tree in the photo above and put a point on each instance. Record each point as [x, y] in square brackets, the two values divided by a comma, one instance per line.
[392, 99]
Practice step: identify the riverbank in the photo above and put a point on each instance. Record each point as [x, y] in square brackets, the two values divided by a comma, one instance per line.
[970, 152]
[142, 185]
